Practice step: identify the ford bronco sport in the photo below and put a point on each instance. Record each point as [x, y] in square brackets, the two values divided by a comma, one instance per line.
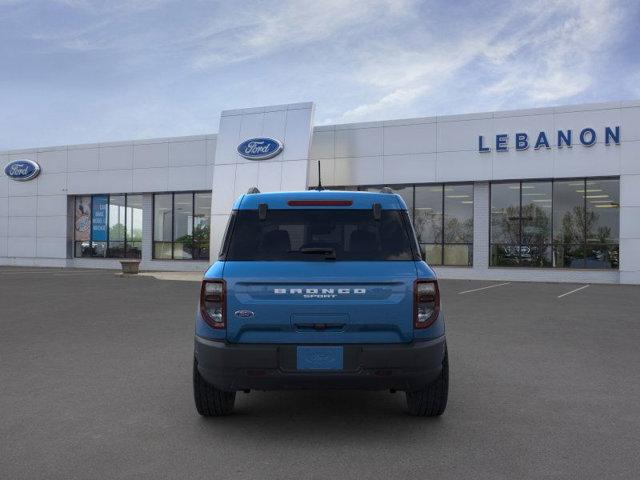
[320, 289]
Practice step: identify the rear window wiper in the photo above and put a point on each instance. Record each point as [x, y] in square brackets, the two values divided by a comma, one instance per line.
[329, 253]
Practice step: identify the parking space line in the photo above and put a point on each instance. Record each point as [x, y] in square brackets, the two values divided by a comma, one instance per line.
[573, 291]
[484, 288]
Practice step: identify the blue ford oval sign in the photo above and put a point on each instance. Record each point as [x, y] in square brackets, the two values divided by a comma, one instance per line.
[260, 148]
[22, 170]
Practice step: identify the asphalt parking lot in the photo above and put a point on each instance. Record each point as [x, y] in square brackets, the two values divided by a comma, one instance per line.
[95, 382]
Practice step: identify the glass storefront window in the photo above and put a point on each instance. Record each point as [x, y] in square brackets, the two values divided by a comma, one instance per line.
[108, 226]
[603, 223]
[162, 225]
[201, 225]
[117, 219]
[564, 223]
[181, 225]
[134, 226]
[458, 225]
[535, 230]
[428, 220]
[82, 226]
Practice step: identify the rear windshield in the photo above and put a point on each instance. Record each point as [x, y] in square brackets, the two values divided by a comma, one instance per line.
[319, 234]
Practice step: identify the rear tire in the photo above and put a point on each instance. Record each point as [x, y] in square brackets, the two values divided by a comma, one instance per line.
[432, 401]
[210, 402]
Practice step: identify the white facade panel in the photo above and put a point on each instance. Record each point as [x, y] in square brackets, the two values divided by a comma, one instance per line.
[4, 185]
[293, 174]
[630, 119]
[21, 246]
[188, 178]
[269, 176]
[151, 155]
[528, 163]
[52, 226]
[53, 161]
[22, 227]
[83, 159]
[22, 206]
[150, 180]
[297, 135]
[228, 140]
[358, 142]
[4, 206]
[115, 181]
[581, 161]
[406, 168]
[54, 247]
[52, 183]
[188, 153]
[630, 191]
[322, 145]
[456, 136]
[23, 189]
[84, 182]
[246, 177]
[224, 187]
[359, 171]
[117, 157]
[630, 157]
[51, 205]
[327, 170]
[407, 139]
[462, 166]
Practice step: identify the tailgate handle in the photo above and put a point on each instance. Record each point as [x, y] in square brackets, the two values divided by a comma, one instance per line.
[320, 327]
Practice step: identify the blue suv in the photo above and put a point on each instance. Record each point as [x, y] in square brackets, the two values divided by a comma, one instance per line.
[320, 289]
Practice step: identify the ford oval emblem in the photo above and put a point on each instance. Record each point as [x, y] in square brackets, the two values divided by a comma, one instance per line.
[260, 148]
[244, 313]
[22, 170]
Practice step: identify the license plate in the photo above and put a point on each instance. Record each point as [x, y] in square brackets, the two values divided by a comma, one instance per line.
[319, 358]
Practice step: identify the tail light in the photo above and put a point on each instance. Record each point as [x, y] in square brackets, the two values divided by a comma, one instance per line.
[426, 303]
[212, 302]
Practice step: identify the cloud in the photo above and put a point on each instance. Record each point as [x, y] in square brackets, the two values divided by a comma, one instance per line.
[125, 69]
[287, 25]
[555, 63]
[542, 53]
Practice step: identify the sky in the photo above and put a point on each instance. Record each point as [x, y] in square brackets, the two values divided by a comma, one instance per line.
[80, 71]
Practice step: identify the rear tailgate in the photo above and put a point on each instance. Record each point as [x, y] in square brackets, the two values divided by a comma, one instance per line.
[320, 302]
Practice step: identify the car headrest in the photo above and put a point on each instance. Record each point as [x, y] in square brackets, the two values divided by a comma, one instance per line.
[275, 241]
[363, 241]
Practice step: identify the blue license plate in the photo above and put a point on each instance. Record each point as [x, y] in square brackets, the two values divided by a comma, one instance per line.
[319, 358]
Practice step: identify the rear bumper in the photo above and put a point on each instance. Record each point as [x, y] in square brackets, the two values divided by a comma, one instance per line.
[273, 367]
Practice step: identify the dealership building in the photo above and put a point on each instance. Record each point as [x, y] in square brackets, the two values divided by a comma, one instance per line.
[547, 194]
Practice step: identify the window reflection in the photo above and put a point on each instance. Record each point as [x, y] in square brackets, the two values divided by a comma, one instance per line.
[108, 226]
[565, 224]
[182, 225]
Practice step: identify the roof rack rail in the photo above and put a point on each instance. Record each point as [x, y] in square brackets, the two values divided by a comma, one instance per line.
[386, 190]
[253, 190]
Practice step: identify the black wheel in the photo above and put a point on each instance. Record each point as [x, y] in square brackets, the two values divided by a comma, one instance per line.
[210, 402]
[432, 401]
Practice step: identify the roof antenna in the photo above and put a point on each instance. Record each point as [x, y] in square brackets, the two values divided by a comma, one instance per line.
[319, 187]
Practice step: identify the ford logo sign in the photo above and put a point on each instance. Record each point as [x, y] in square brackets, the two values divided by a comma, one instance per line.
[260, 148]
[22, 170]
[244, 313]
